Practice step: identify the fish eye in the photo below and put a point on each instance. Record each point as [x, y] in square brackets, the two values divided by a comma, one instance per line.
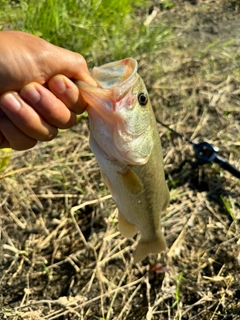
[143, 99]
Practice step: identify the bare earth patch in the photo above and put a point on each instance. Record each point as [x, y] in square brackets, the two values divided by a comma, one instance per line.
[62, 256]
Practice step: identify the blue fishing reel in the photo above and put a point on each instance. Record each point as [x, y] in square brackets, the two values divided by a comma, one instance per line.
[206, 153]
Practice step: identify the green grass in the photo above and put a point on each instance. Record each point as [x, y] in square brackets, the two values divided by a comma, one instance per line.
[5, 156]
[178, 289]
[228, 207]
[9, 13]
[101, 30]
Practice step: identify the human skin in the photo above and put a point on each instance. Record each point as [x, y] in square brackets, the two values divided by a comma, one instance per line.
[37, 95]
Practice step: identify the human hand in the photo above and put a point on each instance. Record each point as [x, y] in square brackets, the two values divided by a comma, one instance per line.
[36, 94]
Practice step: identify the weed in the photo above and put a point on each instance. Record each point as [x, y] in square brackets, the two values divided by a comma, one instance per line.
[228, 207]
[97, 29]
[5, 156]
[178, 287]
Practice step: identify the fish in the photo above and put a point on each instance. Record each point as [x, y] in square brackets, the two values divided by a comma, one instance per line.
[125, 141]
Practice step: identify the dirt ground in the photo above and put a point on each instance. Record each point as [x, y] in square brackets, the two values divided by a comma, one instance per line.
[62, 256]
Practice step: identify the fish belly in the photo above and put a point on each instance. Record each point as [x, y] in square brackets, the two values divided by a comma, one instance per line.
[139, 205]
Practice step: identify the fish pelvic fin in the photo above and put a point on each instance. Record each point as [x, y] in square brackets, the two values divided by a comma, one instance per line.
[144, 248]
[126, 228]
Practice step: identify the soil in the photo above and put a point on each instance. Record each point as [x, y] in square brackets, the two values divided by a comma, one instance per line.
[62, 256]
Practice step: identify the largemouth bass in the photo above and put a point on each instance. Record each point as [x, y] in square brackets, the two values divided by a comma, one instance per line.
[125, 141]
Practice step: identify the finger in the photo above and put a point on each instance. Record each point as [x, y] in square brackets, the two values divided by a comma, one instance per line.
[72, 65]
[3, 141]
[48, 106]
[25, 118]
[56, 60]
[12, 137]
[68, 93]
[37, 61]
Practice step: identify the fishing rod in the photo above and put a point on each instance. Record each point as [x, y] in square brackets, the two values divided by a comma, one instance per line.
[205, 153]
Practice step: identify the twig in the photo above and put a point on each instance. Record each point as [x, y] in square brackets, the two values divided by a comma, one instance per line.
[129, 302]
[74, 209]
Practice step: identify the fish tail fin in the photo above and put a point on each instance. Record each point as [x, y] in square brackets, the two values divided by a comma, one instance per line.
[144, 248]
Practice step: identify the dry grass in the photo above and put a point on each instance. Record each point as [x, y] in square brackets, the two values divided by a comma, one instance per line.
[62, 256]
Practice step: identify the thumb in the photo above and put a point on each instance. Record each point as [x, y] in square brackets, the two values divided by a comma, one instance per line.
[73, 66]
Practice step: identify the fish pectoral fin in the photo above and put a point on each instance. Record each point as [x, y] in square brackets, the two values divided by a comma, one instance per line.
[132, 181]
[144, 248]
[126, 228]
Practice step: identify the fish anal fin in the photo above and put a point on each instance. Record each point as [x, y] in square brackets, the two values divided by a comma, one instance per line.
[126, 228]
[144, 248]
[132, 181]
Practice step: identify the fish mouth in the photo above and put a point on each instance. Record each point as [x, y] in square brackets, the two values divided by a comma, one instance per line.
[114, 80]
[108, 107]
[115, 74]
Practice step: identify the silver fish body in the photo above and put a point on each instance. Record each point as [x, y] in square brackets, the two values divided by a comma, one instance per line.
[125, 141]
